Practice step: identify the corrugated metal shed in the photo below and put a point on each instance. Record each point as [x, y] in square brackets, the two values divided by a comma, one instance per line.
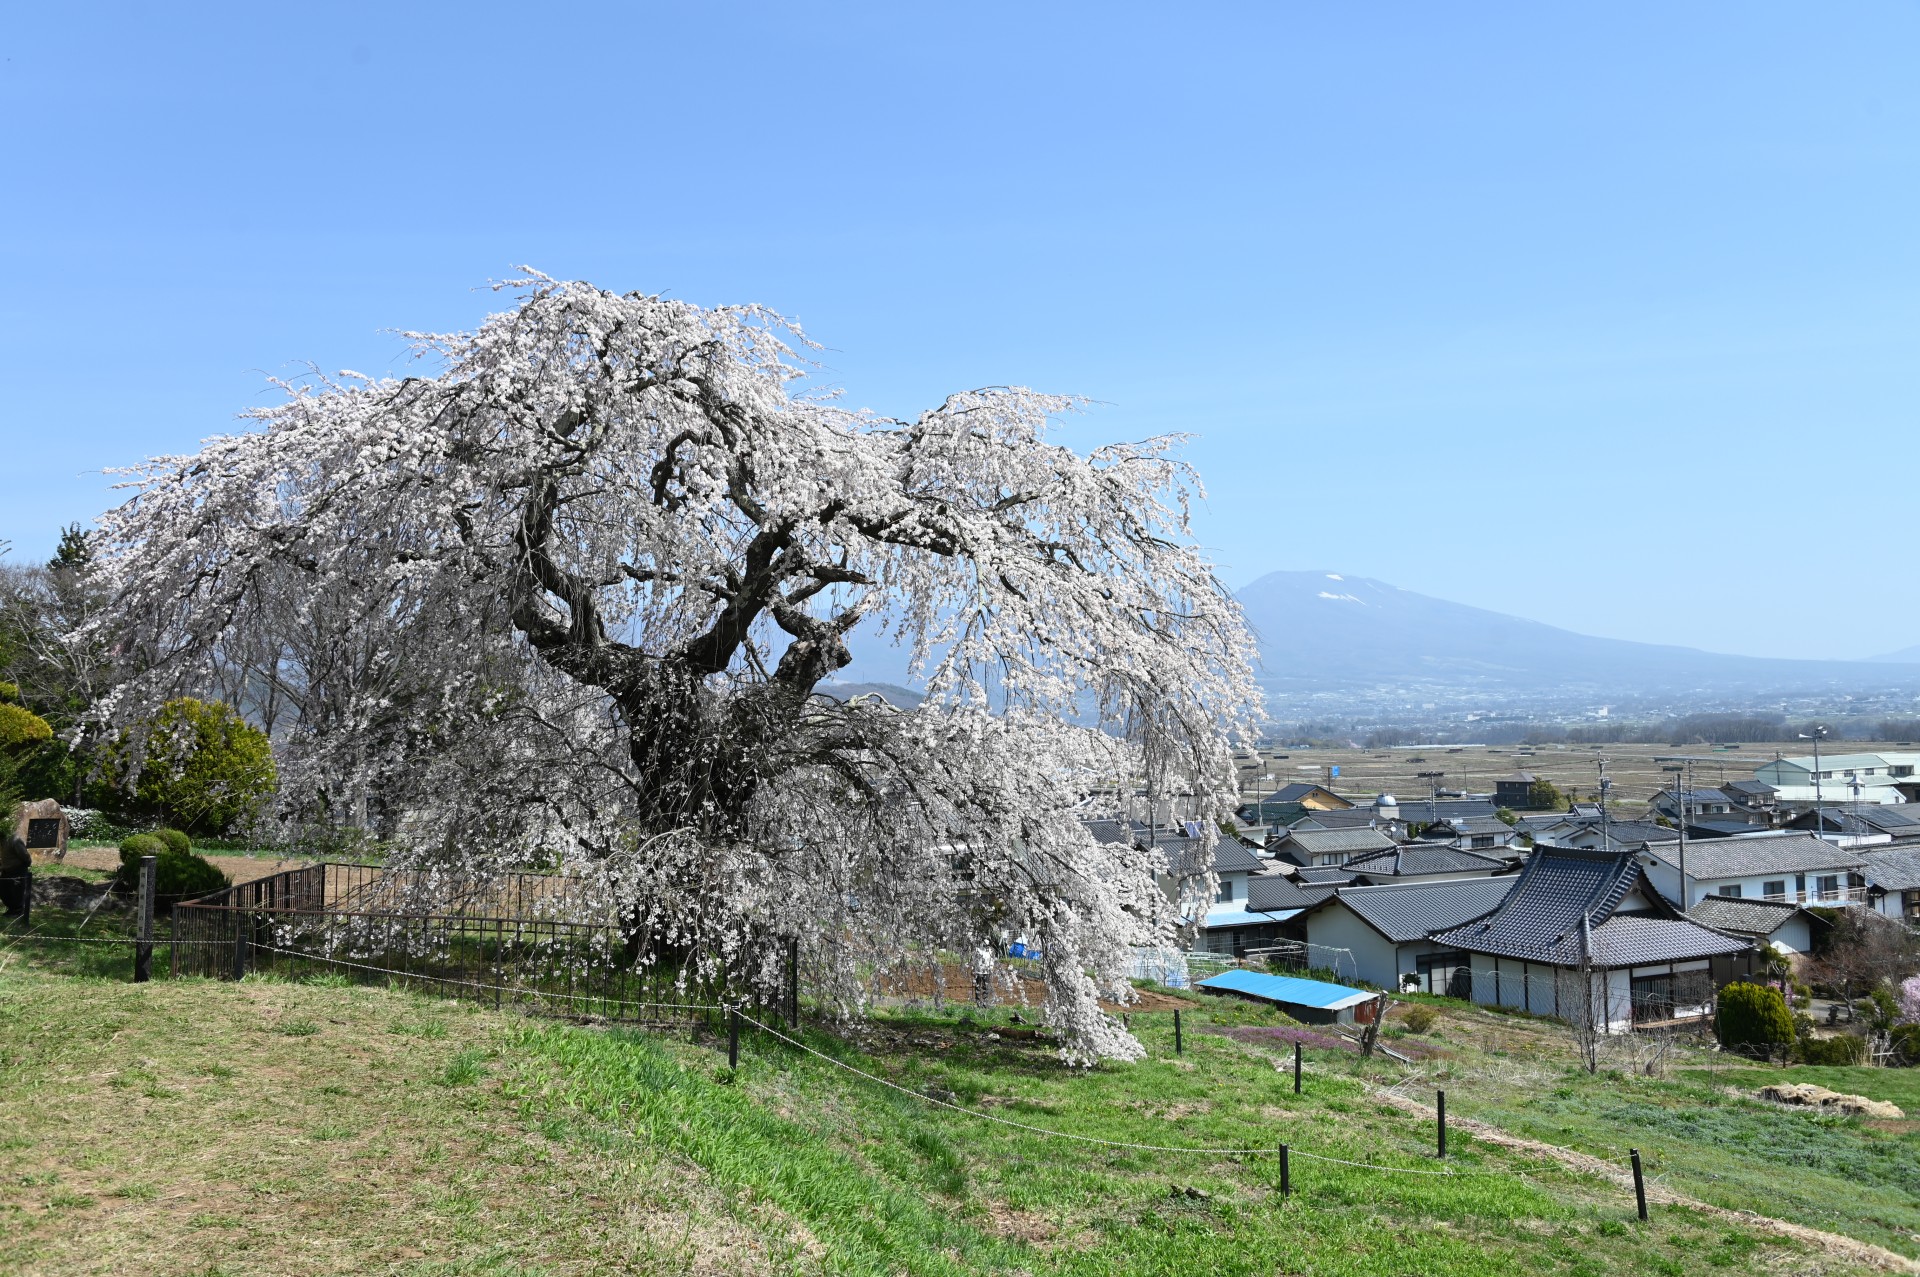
[1288, 990]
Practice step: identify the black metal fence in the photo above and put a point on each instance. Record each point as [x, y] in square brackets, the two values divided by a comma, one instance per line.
[494, 941]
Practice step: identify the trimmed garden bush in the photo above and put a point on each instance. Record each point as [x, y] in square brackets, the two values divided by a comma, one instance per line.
[177, 843]
[1419, 1019]
[1753, 1020]
[178, 875]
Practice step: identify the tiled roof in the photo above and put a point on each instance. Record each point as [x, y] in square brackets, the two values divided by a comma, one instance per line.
[1743, 916]
[1631, 940]
[1894, 870]
[1540, 919]
[1293, 793]
[1755, 855]
[1421, 811]
[1271, 892]
[1188, 857]
[1346, 818]
[1466, 825]
[1109, 831]
[1321, 842]
[1748, 788]
[1407, 911]
[1721, 826]
[1625, 831]
[1421, 858]
[1339, 875]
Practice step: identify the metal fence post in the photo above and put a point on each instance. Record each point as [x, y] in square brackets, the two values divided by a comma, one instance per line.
[26, 901]
[143, 946]
[1296, 1068]
[1178, 1047]
[1286, 1175]
[239, 946]
[1442, 1111]
[733, 1037]
[1639, 1185]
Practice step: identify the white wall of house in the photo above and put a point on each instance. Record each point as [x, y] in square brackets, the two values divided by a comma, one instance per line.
[1549, 990]
[1795, 888]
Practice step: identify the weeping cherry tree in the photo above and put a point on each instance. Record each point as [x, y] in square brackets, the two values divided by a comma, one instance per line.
[570, 597]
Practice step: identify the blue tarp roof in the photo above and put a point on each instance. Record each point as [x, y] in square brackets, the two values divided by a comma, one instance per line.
[1229, 918]
[1290, 990]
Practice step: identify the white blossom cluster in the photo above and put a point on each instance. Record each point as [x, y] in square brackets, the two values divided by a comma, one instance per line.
[564, 601]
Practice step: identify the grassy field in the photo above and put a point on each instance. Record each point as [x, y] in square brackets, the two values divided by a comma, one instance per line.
[1699, 1126]
[200, 1128]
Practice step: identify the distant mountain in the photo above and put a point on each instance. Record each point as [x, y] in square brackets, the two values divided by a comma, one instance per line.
[1905, 656]
[895, 695]
[1323, 631]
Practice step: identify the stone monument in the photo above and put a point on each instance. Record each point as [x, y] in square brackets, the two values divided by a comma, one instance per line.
[42, 826]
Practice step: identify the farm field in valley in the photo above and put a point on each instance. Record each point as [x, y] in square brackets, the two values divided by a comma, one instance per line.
[203, 1128]
[1635, 769]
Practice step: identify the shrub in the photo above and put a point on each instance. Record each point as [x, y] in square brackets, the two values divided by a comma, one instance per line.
[1844, 1050]
[201, 766]
[131, 849]
[177, 843]
[178, 875]
[1905, 1041]
[1753, 1019]
[1419, 1019]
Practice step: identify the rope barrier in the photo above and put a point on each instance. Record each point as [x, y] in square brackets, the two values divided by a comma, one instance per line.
[1267, 1150]
[501, 988]
[158, 942]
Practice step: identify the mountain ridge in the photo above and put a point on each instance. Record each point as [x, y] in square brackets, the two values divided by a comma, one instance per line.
[1323, 630]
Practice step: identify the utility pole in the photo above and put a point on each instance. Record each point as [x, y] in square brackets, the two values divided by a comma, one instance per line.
[1606, 822]
[1819, 812]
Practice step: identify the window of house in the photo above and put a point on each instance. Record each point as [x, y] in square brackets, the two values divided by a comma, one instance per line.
[1225, 893]
[1483, 840]
[1733, 891]
[1775, 890]
[1827, 886]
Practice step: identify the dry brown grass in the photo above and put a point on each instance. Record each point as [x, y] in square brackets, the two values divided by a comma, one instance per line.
[198, 1128]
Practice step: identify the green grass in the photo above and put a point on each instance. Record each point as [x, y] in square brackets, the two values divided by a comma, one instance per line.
[1700, 1129]
[193, 1126]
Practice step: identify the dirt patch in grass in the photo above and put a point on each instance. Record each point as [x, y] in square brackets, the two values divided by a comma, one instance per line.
[107, 859]
[1009, 988]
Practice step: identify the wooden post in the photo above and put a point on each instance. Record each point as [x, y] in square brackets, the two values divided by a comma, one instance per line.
[793, 983]
[733, 1037]
[1296, 1068]
[143, 944]
[1286, 1175]
[1178, 1047]
[239, 945]
[1442, 1110]
[1639, 1185]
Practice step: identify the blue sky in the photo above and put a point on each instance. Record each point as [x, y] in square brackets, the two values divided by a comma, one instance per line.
[1603, 318]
